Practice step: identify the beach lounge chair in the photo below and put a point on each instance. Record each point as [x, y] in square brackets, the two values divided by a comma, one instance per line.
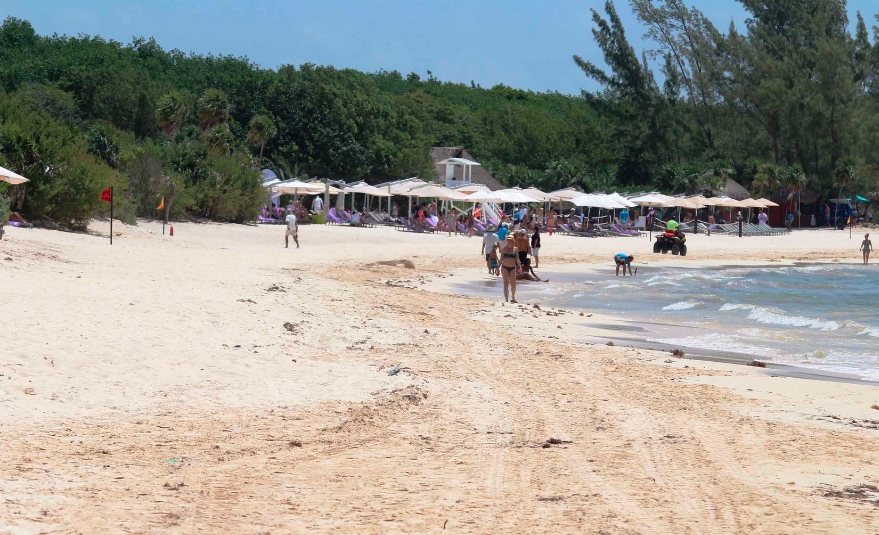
[623, 231]
[333, 218]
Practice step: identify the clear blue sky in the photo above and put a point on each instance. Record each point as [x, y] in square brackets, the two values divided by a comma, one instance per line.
[524, 44]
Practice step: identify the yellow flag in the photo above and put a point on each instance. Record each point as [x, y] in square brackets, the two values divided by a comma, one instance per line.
[161, 204]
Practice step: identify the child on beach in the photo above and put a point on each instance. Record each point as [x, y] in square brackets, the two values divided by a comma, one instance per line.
[866, 247]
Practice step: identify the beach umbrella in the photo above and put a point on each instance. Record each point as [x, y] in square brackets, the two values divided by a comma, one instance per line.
[483, 196]
[513, 195]
[404, 187]
[622, 200]
[681, 202]
[13, 178]
[366, 189]
[752, 203]
[333, 190]
[435, 191]
[472, 188]
[597, 201]
[766, 202]
[565, 194]
[295, 187]
[537, 194]
[650, 199]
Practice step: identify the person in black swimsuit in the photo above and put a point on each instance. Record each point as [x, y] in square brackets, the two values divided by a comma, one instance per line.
[509, 265]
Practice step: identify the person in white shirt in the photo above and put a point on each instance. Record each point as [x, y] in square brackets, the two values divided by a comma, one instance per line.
[317, 205]
[292, 229]
[489, 242]
[763, 217]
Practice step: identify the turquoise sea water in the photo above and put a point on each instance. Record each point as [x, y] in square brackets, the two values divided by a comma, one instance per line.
[822, 317]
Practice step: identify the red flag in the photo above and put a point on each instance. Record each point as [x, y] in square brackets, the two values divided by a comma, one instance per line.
[107, 195]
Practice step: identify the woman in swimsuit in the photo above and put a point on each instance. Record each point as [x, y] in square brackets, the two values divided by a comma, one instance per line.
[509, 265]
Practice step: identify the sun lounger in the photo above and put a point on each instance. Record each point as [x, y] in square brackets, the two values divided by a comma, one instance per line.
[564, 228]
[623, 231]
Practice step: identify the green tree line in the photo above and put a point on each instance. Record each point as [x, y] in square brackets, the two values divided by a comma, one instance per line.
[789, 100]
[78, 114]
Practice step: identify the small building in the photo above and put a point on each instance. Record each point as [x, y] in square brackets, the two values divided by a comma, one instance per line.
[455, 168]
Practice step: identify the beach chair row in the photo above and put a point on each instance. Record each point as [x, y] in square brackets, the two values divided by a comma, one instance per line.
[748, 229]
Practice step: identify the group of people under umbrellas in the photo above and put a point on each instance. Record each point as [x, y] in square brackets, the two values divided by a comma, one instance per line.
[508, 254]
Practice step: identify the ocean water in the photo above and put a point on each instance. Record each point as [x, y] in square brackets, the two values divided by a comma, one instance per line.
[822, 317]
[816, 316]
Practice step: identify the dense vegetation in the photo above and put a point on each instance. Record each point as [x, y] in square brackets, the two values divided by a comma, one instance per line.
[791, 100]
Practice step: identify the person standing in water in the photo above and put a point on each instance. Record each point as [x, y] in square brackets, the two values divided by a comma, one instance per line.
[866, 247]
[509, 266]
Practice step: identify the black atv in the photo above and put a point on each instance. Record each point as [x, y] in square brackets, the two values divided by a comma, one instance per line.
[671, 240]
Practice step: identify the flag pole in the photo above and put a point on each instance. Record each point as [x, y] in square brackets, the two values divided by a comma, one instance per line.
[111, 215]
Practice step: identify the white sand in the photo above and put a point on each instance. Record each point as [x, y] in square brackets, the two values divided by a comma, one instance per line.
[130, 370]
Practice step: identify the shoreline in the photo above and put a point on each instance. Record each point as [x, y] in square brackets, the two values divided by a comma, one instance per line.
[602, 333]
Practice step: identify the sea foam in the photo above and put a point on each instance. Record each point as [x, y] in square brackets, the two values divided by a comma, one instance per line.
[681, 305]
[774, 316]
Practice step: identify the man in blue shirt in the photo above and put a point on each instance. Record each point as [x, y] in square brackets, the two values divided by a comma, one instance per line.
[624, 260]
[502, 232]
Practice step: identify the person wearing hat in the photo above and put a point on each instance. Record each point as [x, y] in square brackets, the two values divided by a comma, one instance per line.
[523, 245]
[624, 260]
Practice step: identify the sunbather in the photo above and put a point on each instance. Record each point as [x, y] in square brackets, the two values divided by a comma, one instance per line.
[527, 273]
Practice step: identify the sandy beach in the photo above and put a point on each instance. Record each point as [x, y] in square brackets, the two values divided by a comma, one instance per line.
[215, 382]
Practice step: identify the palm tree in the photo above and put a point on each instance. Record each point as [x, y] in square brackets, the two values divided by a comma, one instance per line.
[213, 110]
[170, 113]
[260, 131]
[769, 176]
[219, 141]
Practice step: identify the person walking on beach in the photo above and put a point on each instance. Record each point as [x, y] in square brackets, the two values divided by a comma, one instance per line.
[292, 229]
[789, 221]
[624, 260]
[523, 245]
[317, 205]
[509, 266]
[489, 242]
[451, 222]
[866, 247]
[535, 245]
